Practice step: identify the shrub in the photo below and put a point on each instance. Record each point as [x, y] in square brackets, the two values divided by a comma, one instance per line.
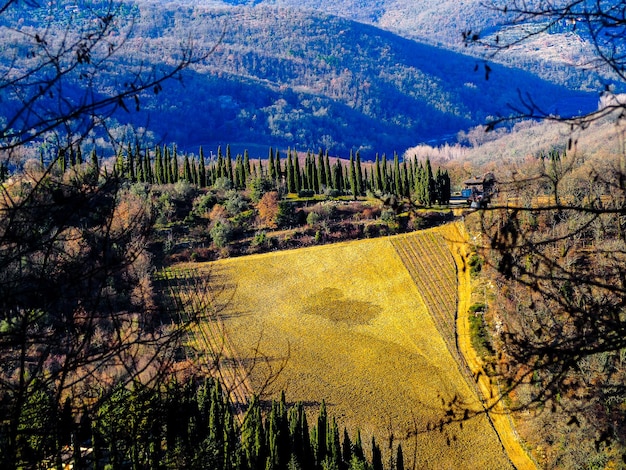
[221, 233]
[312, 218]
[475, 263]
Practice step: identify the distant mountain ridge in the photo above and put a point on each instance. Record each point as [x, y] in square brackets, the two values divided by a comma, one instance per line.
[293, 77]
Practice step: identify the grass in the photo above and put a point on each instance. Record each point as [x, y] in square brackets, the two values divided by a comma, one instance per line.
[351, 326]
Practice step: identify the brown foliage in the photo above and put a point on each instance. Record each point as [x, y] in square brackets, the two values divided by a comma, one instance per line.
[269, 209]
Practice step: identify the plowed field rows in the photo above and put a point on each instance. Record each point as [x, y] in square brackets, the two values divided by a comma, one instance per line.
[428, 259]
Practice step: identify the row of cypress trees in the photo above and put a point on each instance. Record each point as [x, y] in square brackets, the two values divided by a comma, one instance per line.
[316, 174]
[190, 425]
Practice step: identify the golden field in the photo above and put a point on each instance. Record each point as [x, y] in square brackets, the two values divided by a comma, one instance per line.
[358, 324]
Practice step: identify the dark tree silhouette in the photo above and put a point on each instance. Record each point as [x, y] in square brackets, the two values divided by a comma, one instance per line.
[77, 313]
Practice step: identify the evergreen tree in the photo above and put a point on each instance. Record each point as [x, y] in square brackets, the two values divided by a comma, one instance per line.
[352, 177]
[297, 175]
[327, 170]
[321, 434]
[399, 459]
[246, 163]
[359, 175]
[378, 175]
[253, 438]
[321, 173]
[187, 170]
[174, 170]
[158, 166]
[377, 457]
[384, 174]
[167, 164]
[333, 445]
[291, 182]
[202, 170]
[271, 166]
[397, 177]
[229, 165]
[346, 450]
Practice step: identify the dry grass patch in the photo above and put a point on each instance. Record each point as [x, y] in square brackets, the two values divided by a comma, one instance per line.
[352, 327]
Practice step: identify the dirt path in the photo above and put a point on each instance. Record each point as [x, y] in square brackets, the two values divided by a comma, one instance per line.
[499, 416]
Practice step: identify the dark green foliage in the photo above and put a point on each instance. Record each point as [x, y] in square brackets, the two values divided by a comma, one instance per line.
[185, 425]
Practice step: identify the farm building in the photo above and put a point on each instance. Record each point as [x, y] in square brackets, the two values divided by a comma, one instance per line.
[478, 190]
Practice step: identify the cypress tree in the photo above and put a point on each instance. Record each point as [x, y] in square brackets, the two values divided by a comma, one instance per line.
[399, 459]
[406, 185]
[385, 174]
[271, 167]
[220, 163]
[79, 155]
[321, 435]
[327, 170]
[333, 444]
[174, 170]
[296, 173]
[321, 173]
[253, 437]
[141, 177]
[202, 169]
[229, 165]
[95, 165]
[346, 450]
[359, 175]
[358, 447]
[246, 163]
[131, 164]
[237, 175]
[167, 167]
[397, 177]
[290, 177]
[377, 457]
[378, 176]
[279, 169]
[353, 188]
[187, 170]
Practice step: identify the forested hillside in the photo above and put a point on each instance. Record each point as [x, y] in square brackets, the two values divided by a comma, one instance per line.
[290, 78]
[562, 55]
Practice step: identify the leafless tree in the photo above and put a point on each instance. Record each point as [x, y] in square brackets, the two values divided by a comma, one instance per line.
[77, 311]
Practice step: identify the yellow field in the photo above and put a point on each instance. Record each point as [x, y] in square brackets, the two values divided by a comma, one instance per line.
[351, 323]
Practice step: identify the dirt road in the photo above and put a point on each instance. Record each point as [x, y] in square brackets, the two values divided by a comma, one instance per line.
[499, 416]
